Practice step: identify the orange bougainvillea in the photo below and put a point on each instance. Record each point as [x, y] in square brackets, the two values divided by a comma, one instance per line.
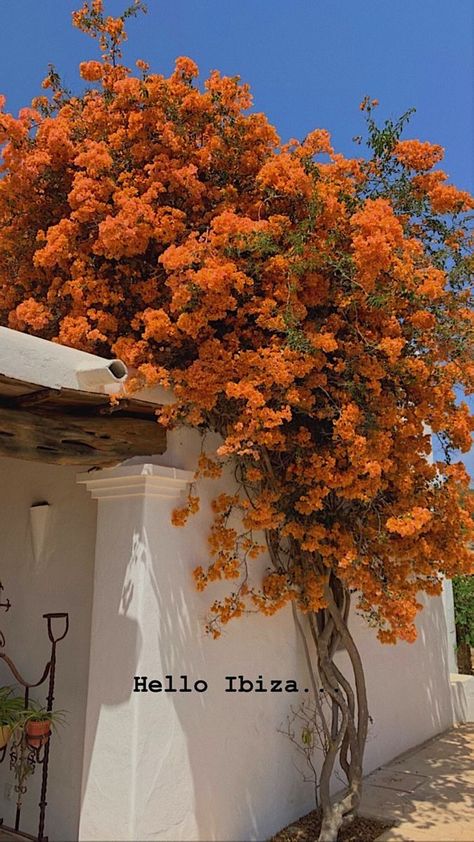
[312, 309]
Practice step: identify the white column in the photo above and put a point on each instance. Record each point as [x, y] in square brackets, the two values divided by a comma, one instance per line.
[126, 732]
[448, 607]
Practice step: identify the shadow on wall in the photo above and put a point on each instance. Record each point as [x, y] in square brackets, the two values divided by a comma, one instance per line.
[408, 684]
[211, 765]
[59, 578]
[433, 633]
[116, 643]
[241, 771]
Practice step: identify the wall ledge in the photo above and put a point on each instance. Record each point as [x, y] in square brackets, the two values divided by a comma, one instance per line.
[462, 696]
[144, 480]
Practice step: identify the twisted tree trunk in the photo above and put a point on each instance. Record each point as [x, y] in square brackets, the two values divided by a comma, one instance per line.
[345, 718]
[343, 723]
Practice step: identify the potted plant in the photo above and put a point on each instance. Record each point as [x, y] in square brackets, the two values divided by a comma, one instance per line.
[11, 713]
[38, 722]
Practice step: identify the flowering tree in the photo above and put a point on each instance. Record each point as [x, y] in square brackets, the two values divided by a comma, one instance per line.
[311, 309]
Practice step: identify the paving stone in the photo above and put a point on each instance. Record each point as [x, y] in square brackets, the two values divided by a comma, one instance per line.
[439, 806]
[396, 779]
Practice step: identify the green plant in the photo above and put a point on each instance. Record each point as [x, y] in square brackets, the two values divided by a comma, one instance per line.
[38, 713]
[463, 592]
[11, 708]
[38, 723]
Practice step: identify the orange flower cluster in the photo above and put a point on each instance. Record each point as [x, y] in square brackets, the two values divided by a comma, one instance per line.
[314, 313]
[418, 156]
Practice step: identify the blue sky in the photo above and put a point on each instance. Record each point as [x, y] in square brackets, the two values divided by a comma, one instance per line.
[309, 62]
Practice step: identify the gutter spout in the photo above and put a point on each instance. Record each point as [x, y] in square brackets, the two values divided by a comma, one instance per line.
[109, 374]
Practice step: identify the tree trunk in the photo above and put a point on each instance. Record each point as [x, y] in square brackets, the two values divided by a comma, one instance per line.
[345, 713]
[463, 654]
[338, 814]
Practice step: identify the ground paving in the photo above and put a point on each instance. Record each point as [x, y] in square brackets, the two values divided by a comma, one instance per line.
[428, 791]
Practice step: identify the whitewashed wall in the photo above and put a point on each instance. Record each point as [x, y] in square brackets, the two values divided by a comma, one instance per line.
[408, 683]
[61, 580]
[212, 766]
[207, 766]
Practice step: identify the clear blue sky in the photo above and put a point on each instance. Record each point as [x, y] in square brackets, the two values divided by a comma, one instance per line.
[309, 62]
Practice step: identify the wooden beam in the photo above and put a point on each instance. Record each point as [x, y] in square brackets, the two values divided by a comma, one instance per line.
[34, 398]
[121, 404]
[63, 439]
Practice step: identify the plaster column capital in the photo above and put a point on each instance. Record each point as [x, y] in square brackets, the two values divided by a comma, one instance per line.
[143, 480]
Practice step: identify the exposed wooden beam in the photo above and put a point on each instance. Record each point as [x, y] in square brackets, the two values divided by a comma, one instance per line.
[121, 404]
[34, 398]
[77, 440]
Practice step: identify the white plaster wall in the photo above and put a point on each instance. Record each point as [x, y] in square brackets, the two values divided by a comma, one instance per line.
[180, 766]
[212, 766]
[448, 604]
[61, 580]
[408, 685]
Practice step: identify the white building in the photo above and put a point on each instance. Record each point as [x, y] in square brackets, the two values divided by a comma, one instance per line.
[100, 546]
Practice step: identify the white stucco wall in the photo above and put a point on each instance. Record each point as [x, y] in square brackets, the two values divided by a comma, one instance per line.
[59, 580]
[173, 766]
[448, 604]
[212, 766]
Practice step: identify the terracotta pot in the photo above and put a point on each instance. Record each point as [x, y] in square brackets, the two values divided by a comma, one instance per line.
[5, 734]
[37, 732]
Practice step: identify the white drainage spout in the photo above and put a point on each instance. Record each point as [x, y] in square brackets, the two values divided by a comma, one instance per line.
[109, 374]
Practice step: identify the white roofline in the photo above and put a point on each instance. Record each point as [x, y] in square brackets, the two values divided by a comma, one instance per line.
[53, 366]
